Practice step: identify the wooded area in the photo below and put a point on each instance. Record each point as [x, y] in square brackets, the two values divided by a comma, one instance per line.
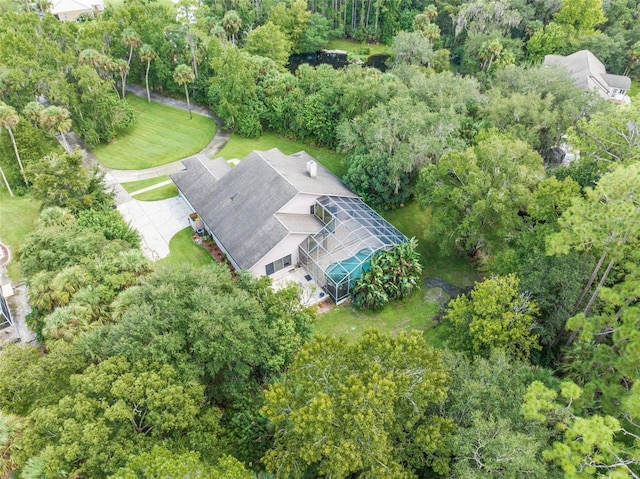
[147, 371]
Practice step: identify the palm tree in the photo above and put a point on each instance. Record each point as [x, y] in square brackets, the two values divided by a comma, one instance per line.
[489, 51]
[9, 119]
[232, 23]
[147, 53]
[131, 39]
[6, 182]
[183, 75]
[32, 112]
[102, 64]
[122, 68]
[56, 119]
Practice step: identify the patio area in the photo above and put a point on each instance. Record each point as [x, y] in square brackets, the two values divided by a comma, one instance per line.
[311, 292]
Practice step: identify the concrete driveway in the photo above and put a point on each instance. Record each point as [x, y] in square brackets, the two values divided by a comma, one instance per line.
[157, 222]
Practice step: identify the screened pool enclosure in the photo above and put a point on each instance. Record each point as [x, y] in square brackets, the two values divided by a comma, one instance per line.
[337, 255]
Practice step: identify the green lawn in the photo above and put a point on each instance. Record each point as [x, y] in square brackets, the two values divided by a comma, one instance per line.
[184, 250]
[132, 186]
[239, 147]
[160, 193]
[354, 47]
[348, 322]
[635, 88]
[17, 218]
[161, 135]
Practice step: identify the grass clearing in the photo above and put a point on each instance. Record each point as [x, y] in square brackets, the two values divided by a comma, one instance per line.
[348, 322]
[414, 221]
[635, 88]
[162, 134]
[157, 194]
[17, 219]
[355, 47]
[184, 250]
[132, 186]
[239, 147]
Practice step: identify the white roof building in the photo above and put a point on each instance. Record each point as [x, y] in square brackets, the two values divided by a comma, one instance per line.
[70, 10]
[589, 72]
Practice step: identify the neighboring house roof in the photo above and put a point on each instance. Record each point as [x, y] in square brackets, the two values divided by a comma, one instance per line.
[585, 69]
[618, 81]
[240, 209]
[63, 6]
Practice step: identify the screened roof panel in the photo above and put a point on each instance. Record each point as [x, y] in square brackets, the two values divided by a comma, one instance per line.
[352, 233]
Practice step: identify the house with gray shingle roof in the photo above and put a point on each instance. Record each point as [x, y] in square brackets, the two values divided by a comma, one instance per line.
[265, 212]
[588, 72]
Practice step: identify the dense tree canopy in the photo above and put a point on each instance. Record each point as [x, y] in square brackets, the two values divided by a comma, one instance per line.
[496, 316]
[144, 372]
[361, 409]
[476, 197]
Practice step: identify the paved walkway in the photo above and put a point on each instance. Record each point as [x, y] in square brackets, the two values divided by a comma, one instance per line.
[156, 221]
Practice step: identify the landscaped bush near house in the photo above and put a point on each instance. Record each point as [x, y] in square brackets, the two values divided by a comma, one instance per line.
[394, 274]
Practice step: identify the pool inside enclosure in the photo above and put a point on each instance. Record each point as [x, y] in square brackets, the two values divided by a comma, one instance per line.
[338, 254]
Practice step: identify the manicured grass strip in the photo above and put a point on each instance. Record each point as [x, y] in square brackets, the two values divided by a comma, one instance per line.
[161, 135]
[348, 322]
[132, 186]
[184, 250]
[160, 193]
[239, 147]
[17, 219]
[355, 47]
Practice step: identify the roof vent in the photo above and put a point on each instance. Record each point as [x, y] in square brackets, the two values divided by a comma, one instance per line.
[312, 168]
[234, 195]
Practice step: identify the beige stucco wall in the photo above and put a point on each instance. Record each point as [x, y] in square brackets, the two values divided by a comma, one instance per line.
[289, 245]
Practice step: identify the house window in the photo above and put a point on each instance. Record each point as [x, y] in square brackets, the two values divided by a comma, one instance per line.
[278, 264]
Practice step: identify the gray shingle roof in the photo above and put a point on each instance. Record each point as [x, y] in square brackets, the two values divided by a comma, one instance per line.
[296, 223]
[583, 65]
[240, 209]
[325, 183]
[617, 81]
[201, 173]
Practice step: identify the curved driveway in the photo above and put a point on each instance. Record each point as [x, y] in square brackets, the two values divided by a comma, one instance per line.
[156, 221]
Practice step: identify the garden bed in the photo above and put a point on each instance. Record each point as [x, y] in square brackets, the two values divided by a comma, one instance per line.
[215, 251]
